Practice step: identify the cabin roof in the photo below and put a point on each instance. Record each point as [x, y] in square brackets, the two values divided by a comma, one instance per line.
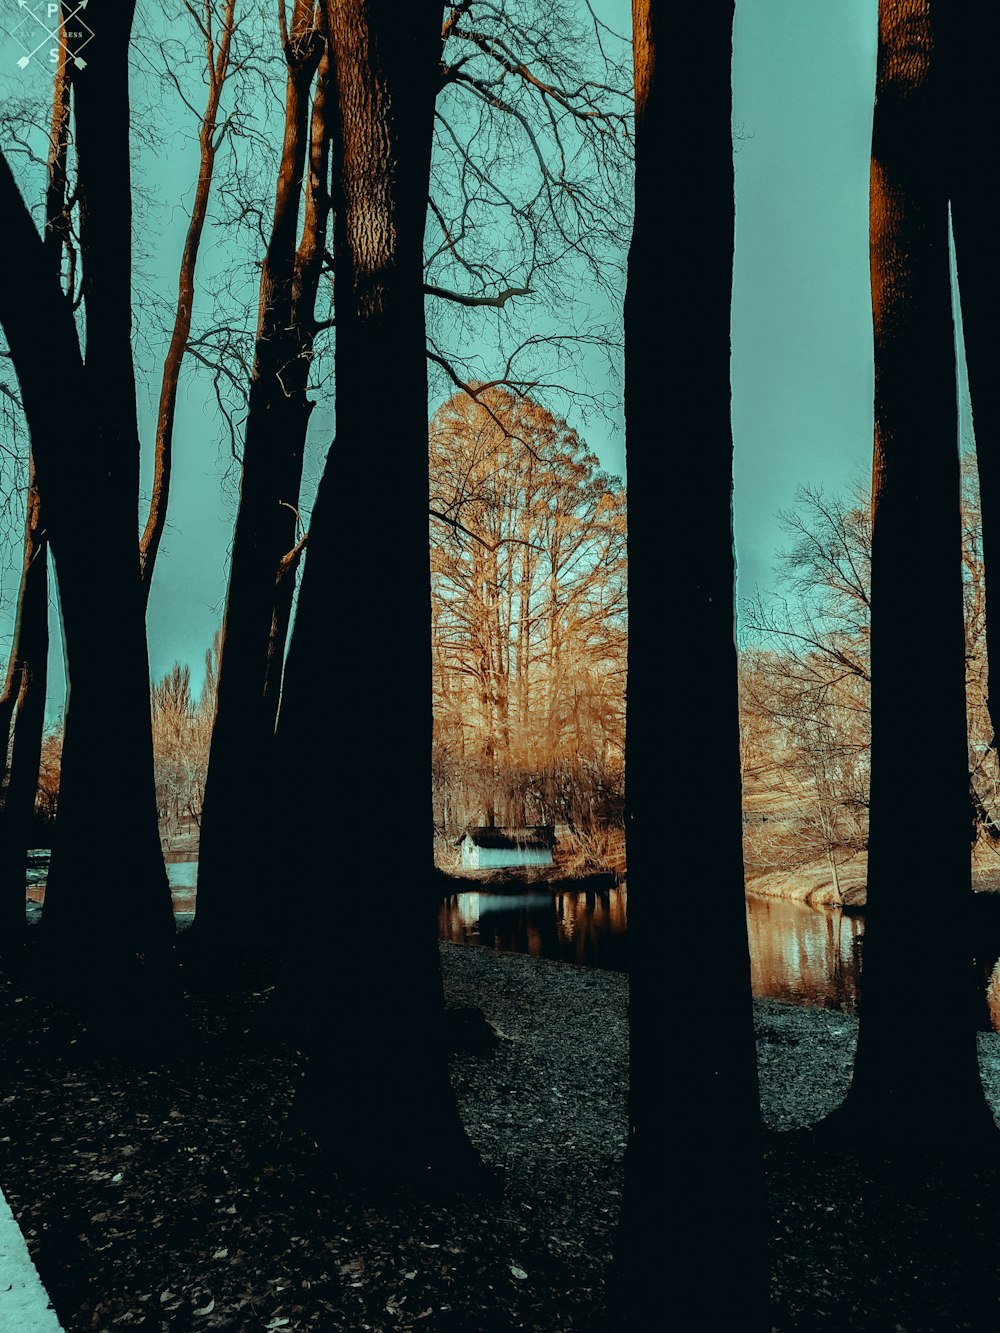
[541, 835]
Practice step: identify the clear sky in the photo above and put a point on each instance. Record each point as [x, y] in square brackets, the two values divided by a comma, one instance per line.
[803, 95]
[803, 81]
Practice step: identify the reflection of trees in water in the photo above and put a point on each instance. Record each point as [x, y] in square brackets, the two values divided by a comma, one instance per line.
[801, 954]
[583, 928]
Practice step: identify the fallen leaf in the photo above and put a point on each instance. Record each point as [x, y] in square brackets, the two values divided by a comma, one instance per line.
[519, 1273]
[206, 1309]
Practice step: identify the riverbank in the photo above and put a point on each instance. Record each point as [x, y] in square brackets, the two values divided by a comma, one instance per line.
[528, 879]
[813, 882]
[170, 1199]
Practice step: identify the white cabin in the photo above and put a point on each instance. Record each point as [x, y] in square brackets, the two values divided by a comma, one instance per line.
[487, 848]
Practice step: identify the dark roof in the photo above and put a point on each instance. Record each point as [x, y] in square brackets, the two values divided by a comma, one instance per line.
[542, 835]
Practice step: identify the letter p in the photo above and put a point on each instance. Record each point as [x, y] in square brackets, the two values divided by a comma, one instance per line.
[53, 9]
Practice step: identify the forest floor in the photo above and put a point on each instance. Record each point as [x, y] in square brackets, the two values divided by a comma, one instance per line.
[170, 1199]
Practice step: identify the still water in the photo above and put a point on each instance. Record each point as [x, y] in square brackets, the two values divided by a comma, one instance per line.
[182, 876]
[802, 954]
[585, 928]
[796, 953]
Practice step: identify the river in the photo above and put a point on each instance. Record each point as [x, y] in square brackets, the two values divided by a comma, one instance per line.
[802, 954]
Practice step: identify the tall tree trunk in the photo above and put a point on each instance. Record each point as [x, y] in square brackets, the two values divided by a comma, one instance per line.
[108, 927]
[968, 33]
[361, 712]
[692, 1237]
[232, 877]
[27, 669]
[916, 1075]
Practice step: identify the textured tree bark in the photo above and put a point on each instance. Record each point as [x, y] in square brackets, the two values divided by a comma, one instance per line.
[916, 1074]
[232, 876]
[691, 1247]
[362, 719]
[108, 930]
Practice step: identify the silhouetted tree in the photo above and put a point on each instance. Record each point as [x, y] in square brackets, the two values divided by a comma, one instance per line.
[691, 1246]
[22, 703]
[374, 1014]
[916, 1075]
[966, 33]
[114, 948]
[266, 545]
[501, 80]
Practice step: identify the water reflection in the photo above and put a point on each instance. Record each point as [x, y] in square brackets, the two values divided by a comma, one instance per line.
[584, 928]
[182, 876]
[798, 953]
[804, 954]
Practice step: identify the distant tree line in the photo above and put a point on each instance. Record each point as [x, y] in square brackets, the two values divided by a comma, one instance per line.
[528, 603]
[805, 696]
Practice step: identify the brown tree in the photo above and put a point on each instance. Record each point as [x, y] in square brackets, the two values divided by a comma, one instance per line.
[692, 1216]
[528, 605]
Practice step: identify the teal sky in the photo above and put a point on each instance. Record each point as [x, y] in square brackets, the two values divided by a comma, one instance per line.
[803, 81]
[803, 95]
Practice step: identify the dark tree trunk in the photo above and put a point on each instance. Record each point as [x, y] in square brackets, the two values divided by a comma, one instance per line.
[354, 737]
[232, 876]
[916, 1075]
[108, 927]
[30, 650]
[27, 669]
[968, 31]
[691, 1247]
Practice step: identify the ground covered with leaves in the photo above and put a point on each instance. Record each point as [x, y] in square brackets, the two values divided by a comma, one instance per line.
[172, 1198]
